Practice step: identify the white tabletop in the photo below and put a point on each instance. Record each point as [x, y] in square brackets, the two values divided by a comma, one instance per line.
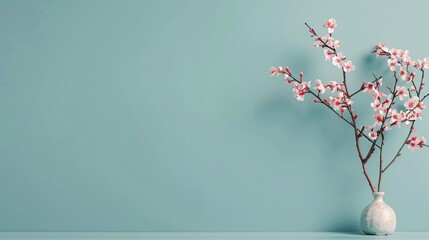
[203, 235]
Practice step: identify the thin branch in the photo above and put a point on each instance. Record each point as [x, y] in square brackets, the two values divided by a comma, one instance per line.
[362, 88]
[400, 149]
[368, 178]
[352, 116]
[312, 31]
[421, 81]
[380, 172]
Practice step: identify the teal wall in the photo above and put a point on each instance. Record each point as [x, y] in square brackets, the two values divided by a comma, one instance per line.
[161, 116]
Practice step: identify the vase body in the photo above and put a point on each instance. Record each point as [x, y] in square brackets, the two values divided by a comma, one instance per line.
[378, 218]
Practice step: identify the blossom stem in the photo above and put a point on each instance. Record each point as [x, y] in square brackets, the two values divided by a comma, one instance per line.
[352, 115]
[361, 89]
[400, 149]
[368, 178]
[421, 82]
[380, 173]
[312, 31]
[421, 100]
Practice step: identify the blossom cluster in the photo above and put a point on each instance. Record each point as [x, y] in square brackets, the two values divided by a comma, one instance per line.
[415, 142]
[400, 63]
[394, 104]
[331, 45]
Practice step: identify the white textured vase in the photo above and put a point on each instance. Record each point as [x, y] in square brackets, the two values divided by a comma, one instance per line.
[378, 218]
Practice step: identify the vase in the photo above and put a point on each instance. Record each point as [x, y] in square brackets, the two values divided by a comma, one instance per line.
[378, 218]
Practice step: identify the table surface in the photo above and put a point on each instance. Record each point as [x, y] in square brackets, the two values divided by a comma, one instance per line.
[203, 235]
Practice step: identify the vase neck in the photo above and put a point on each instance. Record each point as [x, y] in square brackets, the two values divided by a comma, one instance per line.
[378, 196]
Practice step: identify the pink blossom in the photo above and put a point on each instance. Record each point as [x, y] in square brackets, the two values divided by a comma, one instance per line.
[377, 94]
[392, 63]
[300, 90]
[422, 142]
[401, 92]
[277, 71]
[336, 44]
[411, 77]
[394, 53]
[382, 107]
[376, 105]
[331, 24]
[328, 54]
[417, 64]
[348, 66]
[321, 41]
[331, 42]
[338, 60]
[403, 54]
[412, 103]
[425, 63]
[381, 49]
[407, 60]
[368, 86]
[372, 135]
[397, 117]
[320, 87]
[386, 104]
[378, 119]
[334, 86]
[403, 73]
[420, 64]
[336, 103]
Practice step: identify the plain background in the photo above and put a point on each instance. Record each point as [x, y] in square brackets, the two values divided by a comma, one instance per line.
[161, 116]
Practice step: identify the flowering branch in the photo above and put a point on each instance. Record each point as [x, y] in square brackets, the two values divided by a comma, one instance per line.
[388, 115]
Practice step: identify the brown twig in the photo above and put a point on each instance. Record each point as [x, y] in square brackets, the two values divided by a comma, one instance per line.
[400, 149]
[380, 172]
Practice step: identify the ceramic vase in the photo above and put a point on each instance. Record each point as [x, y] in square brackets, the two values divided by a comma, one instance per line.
[378, 218]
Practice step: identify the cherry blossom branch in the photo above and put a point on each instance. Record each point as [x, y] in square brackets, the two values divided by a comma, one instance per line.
[417, 105]
[312, 31]
[322, 102]
[352, 116]
[362, 88]
[372, 148]
[388, 115]
[330, 108]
